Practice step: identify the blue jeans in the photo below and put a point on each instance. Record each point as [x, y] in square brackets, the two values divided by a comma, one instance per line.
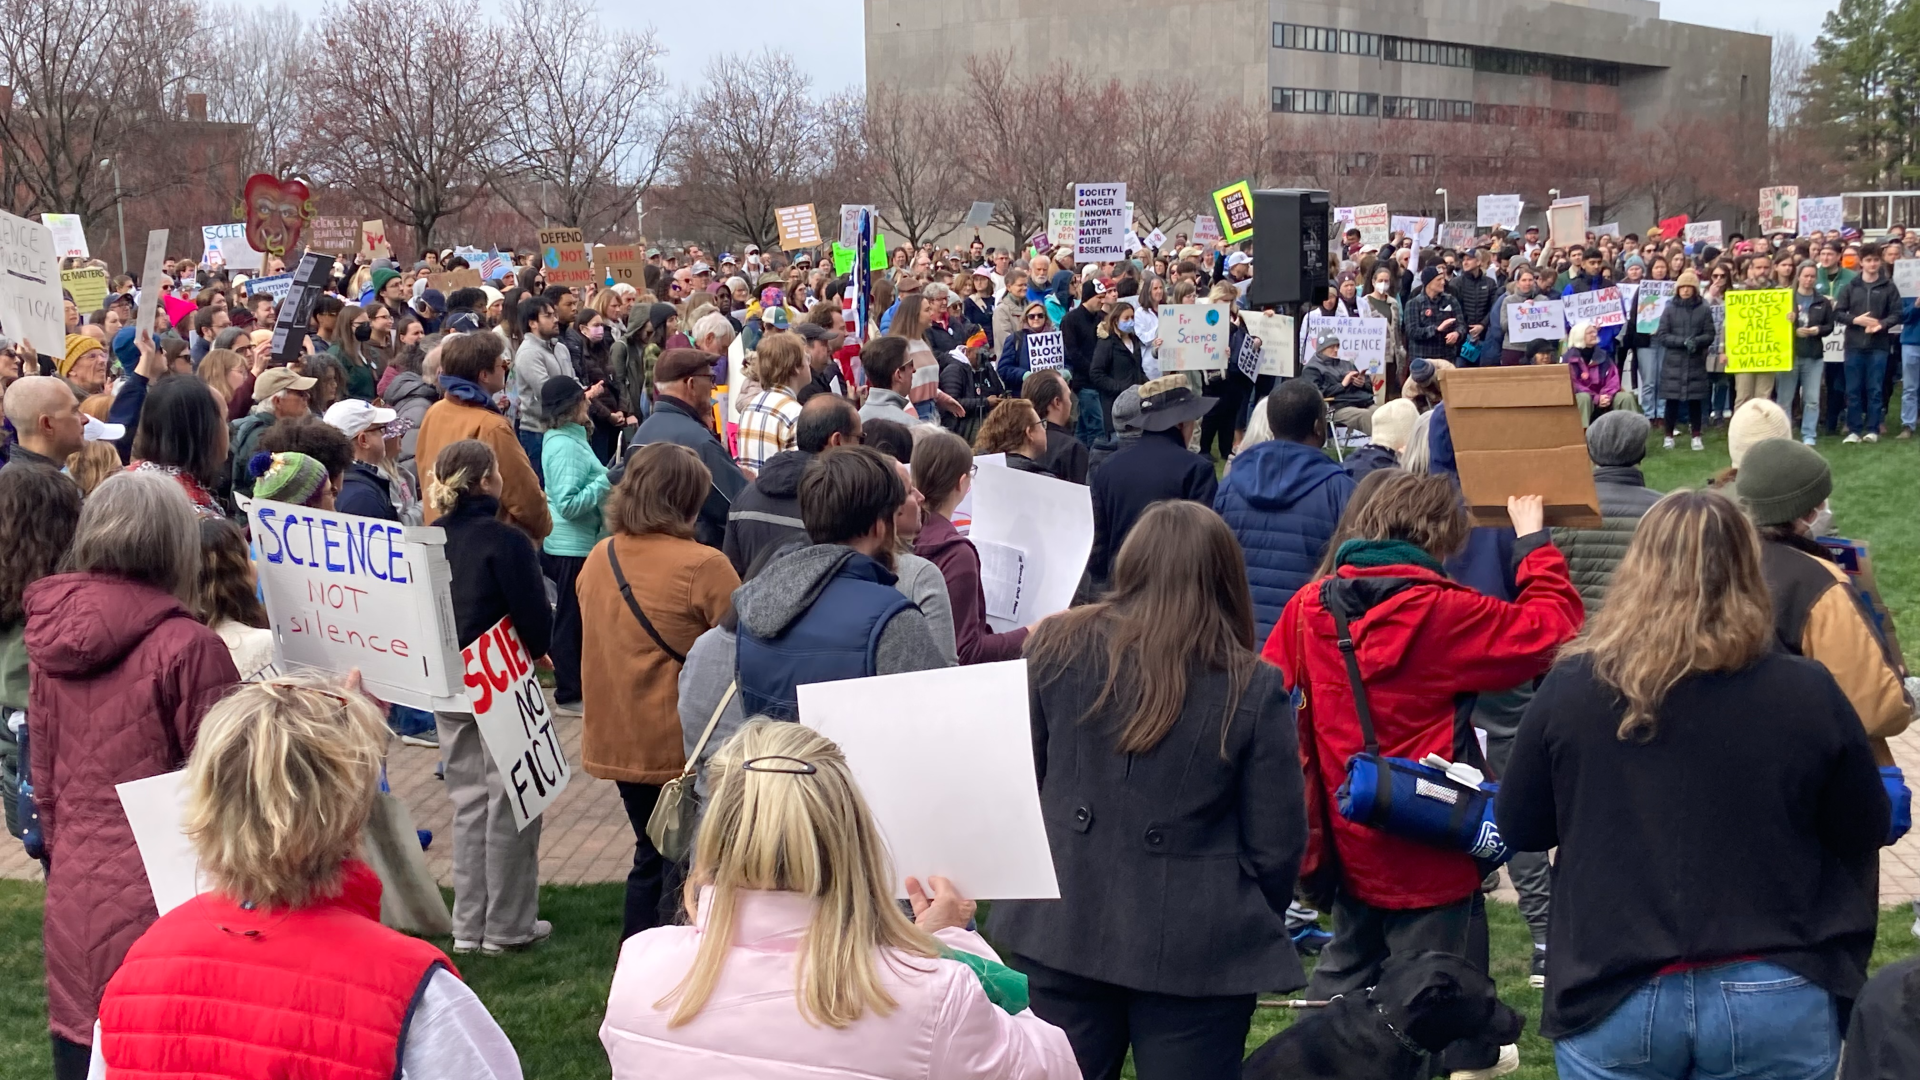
[1755, 1020]
[1806, 377]
[530, 441]
[1649, 376]
[1909, 385]
[1091, 425]
[1866, 372]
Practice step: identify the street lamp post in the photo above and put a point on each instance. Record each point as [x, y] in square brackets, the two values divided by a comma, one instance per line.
[120, 210]
[1446, 212]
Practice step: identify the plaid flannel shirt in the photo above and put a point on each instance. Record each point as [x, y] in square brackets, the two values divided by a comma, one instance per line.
[767, 427]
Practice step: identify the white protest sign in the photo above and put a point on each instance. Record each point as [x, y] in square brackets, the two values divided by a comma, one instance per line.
[1649, 303]
[69, 239]
[152, 272]
[967, 741]
[1194, 337]
[156, 807]
[1611, 228]
[1060, 228]
[31, 307]
[1422, 229]
[979, 214]
[1820, 215]
[850, 223]
[1276, 342]
[963, 512]
[226, 245]
[1502, 211]
[1342, 215]
[1047, 525]
[1458, 235]
[1046, 351]
[1363, 340]
[515, 721]
[1536, 320]
[1601, 307]
[1780, 209]
[1703, 232]
[1833, 347]
[1205, 228]
[1099, 221]
[1906, 276]
[1374, 223]
[1156, 239]
[347, 592]
[275, 286]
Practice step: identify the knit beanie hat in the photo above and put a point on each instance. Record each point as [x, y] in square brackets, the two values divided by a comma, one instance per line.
[288, 477]
[1687, 277]
[1782, 481]
[78, 345]
[1754, 421]
[1618, 438]
[380, 278]
[1393, 424]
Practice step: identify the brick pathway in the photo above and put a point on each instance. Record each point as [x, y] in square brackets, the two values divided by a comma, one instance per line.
[586, 836]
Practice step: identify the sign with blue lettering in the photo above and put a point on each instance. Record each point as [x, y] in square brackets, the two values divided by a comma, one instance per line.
[347, 592]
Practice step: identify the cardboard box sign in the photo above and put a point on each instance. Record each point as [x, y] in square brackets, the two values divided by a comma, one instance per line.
[1516, 431]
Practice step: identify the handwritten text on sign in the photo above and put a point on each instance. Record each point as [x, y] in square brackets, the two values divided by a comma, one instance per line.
[1601, 307]
[1759, 330]
[515, 721]
[1195, 337]
[1536, 320]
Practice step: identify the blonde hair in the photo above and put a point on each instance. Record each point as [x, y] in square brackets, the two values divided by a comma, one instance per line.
[214, 369]
[1687, 597]
[797, 824]
[778, 358]
[92, 464]
[1222, 293]
[458, 472]
[281, 781]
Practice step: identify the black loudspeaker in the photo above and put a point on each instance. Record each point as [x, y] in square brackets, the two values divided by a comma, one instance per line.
[1289, 247]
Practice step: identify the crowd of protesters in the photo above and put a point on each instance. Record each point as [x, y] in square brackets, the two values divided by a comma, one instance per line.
[694, 492]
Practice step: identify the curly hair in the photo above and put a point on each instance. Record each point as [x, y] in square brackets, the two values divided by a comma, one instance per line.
[225, 588]
[39, 508]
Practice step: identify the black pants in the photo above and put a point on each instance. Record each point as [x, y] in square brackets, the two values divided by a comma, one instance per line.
[1695, 410]
[564, 649]
[653, 885]
[1833, 398]
[70, 1059]
[1173, 1038]
[1218, 426]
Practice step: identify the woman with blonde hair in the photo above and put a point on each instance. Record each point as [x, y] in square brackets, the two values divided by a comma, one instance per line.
[798, 962]
[92, 464]
[1678, 757]
[768, 417]
[223, 370]
[282, 967]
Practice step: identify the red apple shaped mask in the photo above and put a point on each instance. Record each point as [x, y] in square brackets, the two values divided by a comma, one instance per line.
[275, 211]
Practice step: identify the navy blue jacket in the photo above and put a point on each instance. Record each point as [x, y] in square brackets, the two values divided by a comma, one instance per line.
[494, 572]
[837, 636]
[364, 492]
[1155, 466]
[1282, 500]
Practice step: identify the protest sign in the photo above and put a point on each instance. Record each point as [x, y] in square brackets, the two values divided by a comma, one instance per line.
[1194, 337]
[277, 210]
[1516, 431]
[1374, 223]
[1156, 239]
[1420, 228]
[1601, 307]
[564, 254]
[1780, 209]
[346, 592]
[979, 214]
[1536, 320]
[1205, 228]
[87, 285]
[1363, 341]
[1276, 342]
[276, 286]
[1672, 228]
[69, 238]
[292, 322]
[1649, 303]
[152, 269]
[1833, 347]
[1045, 351]
[797, 226]
[1099, 221]
[1906, 275]
[1759, 333]
[1854, 557]
[458, 279]
[156, 808]
[877, 260]
[1342, 215]
[226, 245]
[850, 222]
[1566, 223]
[373, 241]
[515, 721]
[334, 235]
[1458, 235]
[1611, 228]
[1499, 211]
[1820, 215]
[967, 741]
[31, 306]
[1060, 228]
[615, 263]
[1233, 205]
[1042, 528]
[1703, 232]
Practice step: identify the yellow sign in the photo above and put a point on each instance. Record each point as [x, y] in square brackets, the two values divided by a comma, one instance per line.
[1233, 205]
[1759, 330]
[88, 287]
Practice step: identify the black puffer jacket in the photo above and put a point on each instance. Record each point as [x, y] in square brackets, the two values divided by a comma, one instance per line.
[1477, 291]
[766, 514]
[1592, 554]
[1686, 332]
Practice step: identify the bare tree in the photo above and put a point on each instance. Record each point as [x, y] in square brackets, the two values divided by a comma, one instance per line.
[1008, 125]
[410, 106]
[749, 145]
[587, 125]
[909, 166]
[1158, 141]
[1787, 85]
[252, 64]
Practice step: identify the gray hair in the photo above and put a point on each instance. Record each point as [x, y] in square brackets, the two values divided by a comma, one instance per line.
[138, 525]
[1417, 458]
[715, 324]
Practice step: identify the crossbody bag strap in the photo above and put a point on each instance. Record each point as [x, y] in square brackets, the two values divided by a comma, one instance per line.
[1345, 641]
[693, 760]
[633, 605]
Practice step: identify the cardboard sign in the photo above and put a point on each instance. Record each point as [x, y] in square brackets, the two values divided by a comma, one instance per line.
[226, 245]
[454, 279]
[797, 226]
[1276, 342]
[1601, 307]
[515, 721]
[1194, 336]
[1703, 232]
[334, 235]
[1046, 351]
[1363, 340]
[1517, 431]
[1233, 205]
[980, 214]
[563, 252]
[347, 592]
[1820, 215]
[69, 237]
[1779, 209]
[152, 269]
[1374, 223]
[1499, 211]
[373, 241]
[1458, 235]
[615, 263]
[1422, 229]
[1536, 320]
[87, 285]
[1759, 334]
[1649, 303]
[1100, 222]
[1060, 227]
[1566, 223]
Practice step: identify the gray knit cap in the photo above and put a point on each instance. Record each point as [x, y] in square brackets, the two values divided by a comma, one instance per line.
[1618, 438]
[1781, 481]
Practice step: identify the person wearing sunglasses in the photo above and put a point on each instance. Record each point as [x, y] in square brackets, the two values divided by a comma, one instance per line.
[1016, 354]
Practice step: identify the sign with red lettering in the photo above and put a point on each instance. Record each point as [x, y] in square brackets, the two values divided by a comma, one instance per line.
[515, 721]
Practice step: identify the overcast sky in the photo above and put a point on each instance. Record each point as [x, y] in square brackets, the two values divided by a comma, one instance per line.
[828, 43]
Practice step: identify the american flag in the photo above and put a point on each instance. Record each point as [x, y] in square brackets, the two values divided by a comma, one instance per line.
[492, 264]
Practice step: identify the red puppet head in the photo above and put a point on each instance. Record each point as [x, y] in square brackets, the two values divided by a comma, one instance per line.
[275, 211]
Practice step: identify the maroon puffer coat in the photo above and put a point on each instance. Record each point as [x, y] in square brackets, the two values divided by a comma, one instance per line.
[120, 676]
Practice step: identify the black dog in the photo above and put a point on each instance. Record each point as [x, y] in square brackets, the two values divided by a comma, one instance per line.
[1423, 1002]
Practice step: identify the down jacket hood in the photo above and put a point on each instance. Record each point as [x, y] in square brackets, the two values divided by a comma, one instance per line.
[409, 385]
[1276, 474]
[780, 479]
[79, 624]
[789, 585]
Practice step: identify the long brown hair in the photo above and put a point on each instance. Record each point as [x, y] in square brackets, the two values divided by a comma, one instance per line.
[1005, 429]
[1164, 618]
[1687, 597]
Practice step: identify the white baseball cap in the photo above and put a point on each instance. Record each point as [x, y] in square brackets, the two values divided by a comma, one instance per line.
[101, 431]
[353, 416]
[1238, 258]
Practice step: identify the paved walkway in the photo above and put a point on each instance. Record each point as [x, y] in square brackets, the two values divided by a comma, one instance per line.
[587, 839]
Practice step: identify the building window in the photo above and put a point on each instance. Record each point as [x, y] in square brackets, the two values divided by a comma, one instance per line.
[1557, 68]
[1414, 108]
[1355, 163]
[1407, 50]
[1323, 39]
[1302, 101]
[1357, 104]
[1420, 164]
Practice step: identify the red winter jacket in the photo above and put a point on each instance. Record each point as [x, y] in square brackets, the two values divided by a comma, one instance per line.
[1423, 642]
[120, 676]
[321, 992]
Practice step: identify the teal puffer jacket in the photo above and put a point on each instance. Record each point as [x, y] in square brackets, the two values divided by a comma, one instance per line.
[576, 491]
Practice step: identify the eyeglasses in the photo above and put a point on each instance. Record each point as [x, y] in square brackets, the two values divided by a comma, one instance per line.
[1036, 317]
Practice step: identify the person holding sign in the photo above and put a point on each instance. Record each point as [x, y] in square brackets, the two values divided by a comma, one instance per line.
[282, 967]
[1812, 322]
[495, 574]
[943, 471]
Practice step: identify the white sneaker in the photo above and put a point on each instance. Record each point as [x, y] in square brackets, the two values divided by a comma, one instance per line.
[1808, 440]
[542, 930]
[462, 945]
[1509, 1063]
[1697, 444]
[1851, 438]
[1871, 436]
[1667, 443]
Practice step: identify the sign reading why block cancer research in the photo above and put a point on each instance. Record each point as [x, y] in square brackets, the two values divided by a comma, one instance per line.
[515, 721]
[1759, 330]
[1046, 351]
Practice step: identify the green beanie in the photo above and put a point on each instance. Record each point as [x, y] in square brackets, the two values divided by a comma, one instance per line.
[1780, 481]
[381, 277]
[289, 477]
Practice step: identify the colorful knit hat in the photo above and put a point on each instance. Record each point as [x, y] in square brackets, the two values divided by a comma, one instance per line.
[288, 477]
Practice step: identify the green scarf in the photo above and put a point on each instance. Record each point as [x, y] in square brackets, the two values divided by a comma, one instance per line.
[1372, 553]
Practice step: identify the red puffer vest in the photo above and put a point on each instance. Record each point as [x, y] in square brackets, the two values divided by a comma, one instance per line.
[215, 990]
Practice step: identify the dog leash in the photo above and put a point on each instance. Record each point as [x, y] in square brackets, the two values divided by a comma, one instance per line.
[1296, 1003]
[1379, 1012]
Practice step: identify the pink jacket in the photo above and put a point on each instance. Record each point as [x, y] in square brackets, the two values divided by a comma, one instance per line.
[943, 1029]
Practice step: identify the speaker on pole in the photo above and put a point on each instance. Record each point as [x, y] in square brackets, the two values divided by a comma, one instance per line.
[1290, 239]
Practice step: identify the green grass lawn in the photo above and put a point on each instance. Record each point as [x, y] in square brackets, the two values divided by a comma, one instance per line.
[550, 999]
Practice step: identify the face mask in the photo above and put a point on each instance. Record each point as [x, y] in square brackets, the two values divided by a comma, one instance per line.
[1822, 521]
[363, 332]
[1381, 287]
[1126, 326]
[595, 333]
